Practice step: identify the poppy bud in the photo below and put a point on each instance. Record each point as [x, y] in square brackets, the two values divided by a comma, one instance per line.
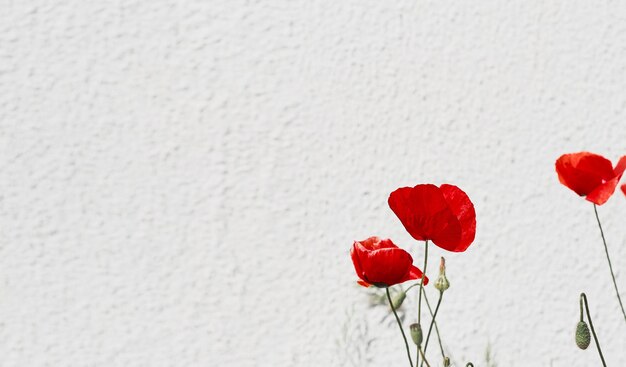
[583, 338]
[446, 362]
[416, 333]
[398, 299]
[442, 282]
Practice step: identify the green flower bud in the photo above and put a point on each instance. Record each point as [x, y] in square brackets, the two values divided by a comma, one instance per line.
[416, 333]
[583, 338]
[446, 362]
[398, 299]
[442, 282]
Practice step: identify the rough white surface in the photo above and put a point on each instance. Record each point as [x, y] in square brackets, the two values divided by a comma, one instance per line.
[181, 180]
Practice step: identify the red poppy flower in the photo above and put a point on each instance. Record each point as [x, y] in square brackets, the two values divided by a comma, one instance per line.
[381, 263]
[590, 175]
[445, 215]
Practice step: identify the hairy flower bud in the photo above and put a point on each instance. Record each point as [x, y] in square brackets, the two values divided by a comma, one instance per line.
[398, 299]
[583, 338]
[442, 282]
[446, 362]
[416, 333]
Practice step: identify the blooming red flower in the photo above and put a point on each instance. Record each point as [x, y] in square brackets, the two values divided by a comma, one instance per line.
[381, 263]
[445, 215]
[590, 175]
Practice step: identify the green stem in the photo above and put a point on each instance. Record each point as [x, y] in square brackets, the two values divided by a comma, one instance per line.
[411, 286]
[432, 321]
[581, 308]
[419, 304]
[608, 258]
[423, 356]
[583, 297]
[417, 357]
[406, 343]
[469, 364]
[443, 355]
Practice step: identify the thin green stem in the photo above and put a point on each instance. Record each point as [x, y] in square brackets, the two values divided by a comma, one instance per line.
[581, 309]
[417, 357]
[583, 297]
[608, 258]
[443, 355]
[419, 305]
[430, 310]
[432, 321]
[411, 286]
[423, 357]
[406, 343]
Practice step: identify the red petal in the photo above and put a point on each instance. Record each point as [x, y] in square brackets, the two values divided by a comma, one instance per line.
[380, 261]
[387, 266]
[624, 189]
[375, 243]
[463, 209]
[620, 167]
[415, 274]
[354, 254]
[602, 193]
[583, 172]
[400, 203]
[425, 214]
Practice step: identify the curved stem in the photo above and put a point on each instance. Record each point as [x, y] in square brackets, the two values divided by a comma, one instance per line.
[423, 357]
[411, 286]
[469, 364]
[406, 343]
[583, 297]
[581, 308]
[443, 355]
[432, 321]
[608, 258]
[430, 310]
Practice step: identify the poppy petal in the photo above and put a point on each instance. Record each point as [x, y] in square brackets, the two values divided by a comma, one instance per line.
[620, 167]
[424, 212]
[399, 202]
[358, 268]
[369, 244]
[602, 193]
[624, 189]
[463, 209]
[386, 266]
[449, 237]
[381, 263]
[583, 172]
[376, 243]
[414, 274]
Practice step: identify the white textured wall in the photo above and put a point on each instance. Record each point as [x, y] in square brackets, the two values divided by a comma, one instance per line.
[180, 181]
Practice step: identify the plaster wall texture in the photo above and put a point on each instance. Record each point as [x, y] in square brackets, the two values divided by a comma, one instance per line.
[180, 181]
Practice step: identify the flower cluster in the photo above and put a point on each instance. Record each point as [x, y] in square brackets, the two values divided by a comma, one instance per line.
[444, 215]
